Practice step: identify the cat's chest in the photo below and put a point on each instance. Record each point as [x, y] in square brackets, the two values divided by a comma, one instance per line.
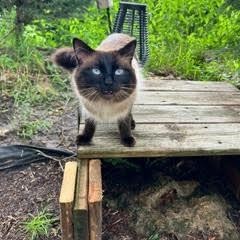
[108, 111]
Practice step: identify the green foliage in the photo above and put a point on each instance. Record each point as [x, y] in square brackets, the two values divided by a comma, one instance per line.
[122, 163]
[30, 10]
[155, 236]
[195, 39]
[39, 225]
[91, 27]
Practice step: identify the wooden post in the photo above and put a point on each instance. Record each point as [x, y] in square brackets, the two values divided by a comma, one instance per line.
[95, 200]
[80, 212]
[66, 200]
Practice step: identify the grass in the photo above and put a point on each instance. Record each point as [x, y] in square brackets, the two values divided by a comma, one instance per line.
[39, 225]
[154, 237]
[196, 40]
[28, 122]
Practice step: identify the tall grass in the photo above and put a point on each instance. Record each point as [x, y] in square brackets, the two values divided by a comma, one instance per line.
[198, 40]
[195, 39]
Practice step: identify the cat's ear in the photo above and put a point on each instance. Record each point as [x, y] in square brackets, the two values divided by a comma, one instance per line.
[82, 50]
[128, 50]
[65, 58]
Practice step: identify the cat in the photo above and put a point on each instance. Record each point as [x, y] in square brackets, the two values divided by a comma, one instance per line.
[105, 81]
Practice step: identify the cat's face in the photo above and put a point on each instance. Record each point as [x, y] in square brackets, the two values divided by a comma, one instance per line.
[102, 75]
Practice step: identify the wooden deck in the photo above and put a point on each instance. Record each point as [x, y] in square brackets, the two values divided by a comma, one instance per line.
[176, 118]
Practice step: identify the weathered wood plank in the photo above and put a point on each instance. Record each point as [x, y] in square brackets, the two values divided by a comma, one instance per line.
[168, 140]
[95, 200]
[188, 98]
[186, 114]
[80, 212]
[66, 200]
[181, 85]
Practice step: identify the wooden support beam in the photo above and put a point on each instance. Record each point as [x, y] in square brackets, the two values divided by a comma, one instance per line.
[95, 200]
[66, 200]
[80, 212]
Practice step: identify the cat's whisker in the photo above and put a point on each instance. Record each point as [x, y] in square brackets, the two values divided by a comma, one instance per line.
[89, 94]
[94, 96]
[126, 88]
[121, 95]
[87, 89]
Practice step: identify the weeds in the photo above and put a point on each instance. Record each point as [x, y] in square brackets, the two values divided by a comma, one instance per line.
[30, 128]
[27, 124]
[39, 225]
[194, 39]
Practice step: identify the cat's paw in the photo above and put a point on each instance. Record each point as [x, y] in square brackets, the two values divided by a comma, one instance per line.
[129, 141]
[82, 140]
[133, 124]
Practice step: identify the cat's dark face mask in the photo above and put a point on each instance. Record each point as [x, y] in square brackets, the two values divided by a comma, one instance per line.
[98, 74]
[106, 75]
[109, 75]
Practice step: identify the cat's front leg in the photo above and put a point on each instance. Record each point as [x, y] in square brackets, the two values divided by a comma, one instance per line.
[124, 126]
[133, 123]
[86, 136]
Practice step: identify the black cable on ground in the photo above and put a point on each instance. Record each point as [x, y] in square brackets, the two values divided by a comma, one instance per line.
[18, 155]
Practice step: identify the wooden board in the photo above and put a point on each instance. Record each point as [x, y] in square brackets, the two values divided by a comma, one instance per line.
[189, 98]
[80, 212]
[66, 200]
[95, 200]
[168, 140]
[180, 85]
[176, 118]
[186, 114]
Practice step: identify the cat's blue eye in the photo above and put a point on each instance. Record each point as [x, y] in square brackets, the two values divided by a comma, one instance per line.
[119, 71]
[96, 71]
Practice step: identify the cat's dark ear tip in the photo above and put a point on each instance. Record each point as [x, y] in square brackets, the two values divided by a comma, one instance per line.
[65, 58]
[134, 41]
[75, 39]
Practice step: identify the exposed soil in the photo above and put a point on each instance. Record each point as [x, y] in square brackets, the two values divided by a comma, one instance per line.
[144, 199]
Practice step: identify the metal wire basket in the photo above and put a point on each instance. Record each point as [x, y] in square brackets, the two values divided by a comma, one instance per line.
[132, 19]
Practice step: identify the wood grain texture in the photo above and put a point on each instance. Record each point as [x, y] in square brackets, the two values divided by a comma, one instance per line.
[168, 140]
[176, 118]
[95, 200]
[186, 114]
[189, 98]
[181, 85]
[152, 114]
[66, 200]
[80, 212]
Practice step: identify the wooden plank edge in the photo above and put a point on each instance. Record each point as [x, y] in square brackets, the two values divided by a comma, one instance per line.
[95, 200]
[66, 200]
[80, 211]
[169, 153]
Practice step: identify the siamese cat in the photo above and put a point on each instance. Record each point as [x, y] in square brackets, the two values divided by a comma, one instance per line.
[105, 82]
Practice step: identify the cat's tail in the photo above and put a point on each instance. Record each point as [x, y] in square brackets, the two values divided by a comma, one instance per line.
[139, 76]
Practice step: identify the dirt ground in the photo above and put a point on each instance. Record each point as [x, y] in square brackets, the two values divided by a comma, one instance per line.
[144, 199]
